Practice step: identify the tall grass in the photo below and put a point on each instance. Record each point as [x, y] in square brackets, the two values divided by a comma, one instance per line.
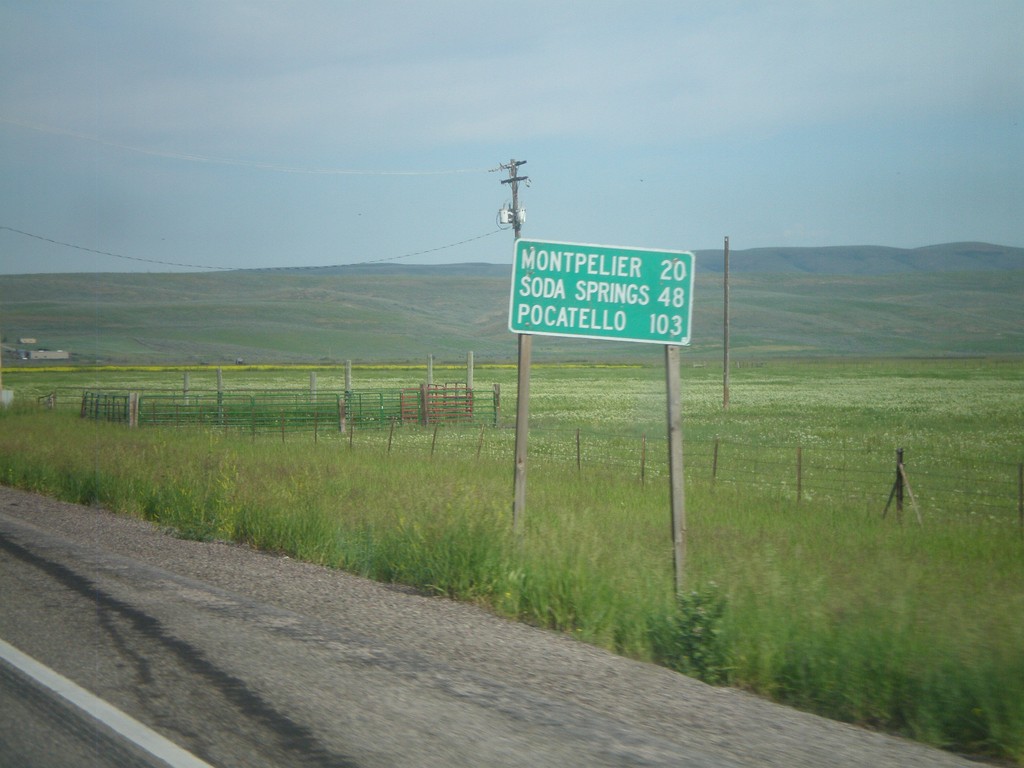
[913, 629]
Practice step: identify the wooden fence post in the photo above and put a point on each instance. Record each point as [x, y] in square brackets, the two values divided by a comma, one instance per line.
[897, 489]
[799, 472]
[220, 396]
[910, 492]
[1020, 497]
[902, 481]
[433, 441]
[643, 460]
[899, 484]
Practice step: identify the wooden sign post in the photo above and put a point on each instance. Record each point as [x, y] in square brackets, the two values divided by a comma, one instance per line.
[522, 430]
[673, 395]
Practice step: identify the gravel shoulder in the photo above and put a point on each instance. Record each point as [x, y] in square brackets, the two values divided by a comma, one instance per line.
[726, 725]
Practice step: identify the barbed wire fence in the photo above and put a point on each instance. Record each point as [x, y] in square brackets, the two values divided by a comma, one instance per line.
[964, 487]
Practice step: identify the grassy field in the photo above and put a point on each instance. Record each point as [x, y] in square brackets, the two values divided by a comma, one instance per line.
[389, 316]
[818, 602]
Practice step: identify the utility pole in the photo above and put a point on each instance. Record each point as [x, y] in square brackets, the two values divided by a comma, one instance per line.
[6, 395]
[518, 216]
[725, 366]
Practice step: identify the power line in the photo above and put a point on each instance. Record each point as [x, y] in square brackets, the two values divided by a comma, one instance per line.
[108, 253]
[256, 164]
[392, 258]
[239, 269]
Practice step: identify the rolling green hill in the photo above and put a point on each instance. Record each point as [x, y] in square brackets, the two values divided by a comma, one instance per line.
[866, 260]
[961, 299]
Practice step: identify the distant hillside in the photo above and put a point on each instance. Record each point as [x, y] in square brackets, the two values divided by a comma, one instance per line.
[831, 260]
[866, 259]
[468, 269]
[958, 299]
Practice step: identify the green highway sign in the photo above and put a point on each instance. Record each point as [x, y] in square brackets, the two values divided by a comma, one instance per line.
[601, 292]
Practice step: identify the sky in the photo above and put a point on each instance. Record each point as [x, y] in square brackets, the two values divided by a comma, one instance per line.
[162, 136]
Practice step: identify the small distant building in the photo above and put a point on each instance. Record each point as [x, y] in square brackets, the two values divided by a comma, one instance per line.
[26, 340]
[48, 354]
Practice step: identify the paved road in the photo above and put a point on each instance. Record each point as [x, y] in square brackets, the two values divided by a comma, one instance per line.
[242, 658]
[42, 730]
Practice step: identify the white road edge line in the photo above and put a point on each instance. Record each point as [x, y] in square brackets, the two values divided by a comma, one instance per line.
[125, 725]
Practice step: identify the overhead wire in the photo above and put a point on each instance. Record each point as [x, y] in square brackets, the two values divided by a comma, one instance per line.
[381, 260]
[246, 269]
[259, 165]
[109, 253]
